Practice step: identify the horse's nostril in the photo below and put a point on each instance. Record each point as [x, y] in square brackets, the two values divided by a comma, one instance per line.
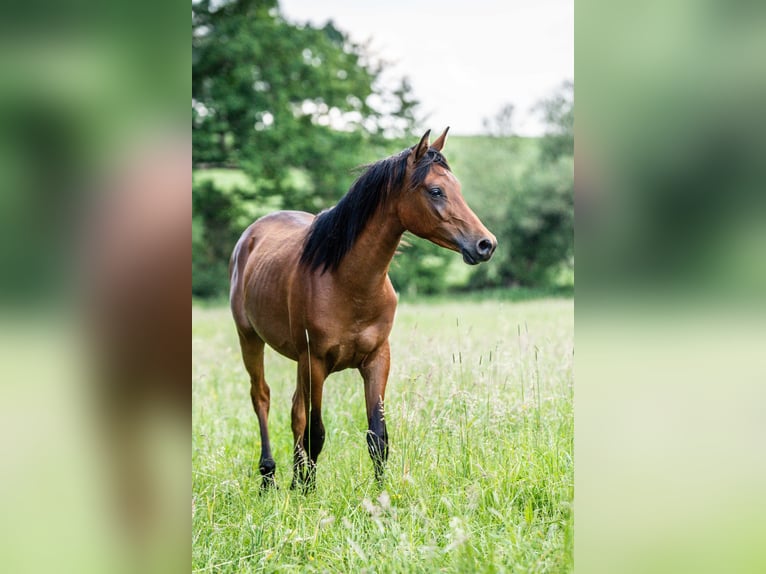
[484, 247]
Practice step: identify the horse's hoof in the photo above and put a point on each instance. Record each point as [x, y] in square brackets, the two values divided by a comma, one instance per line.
[268, 484]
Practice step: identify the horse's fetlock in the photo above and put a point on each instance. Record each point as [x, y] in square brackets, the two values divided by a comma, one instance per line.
[267, 467]
[377, 445]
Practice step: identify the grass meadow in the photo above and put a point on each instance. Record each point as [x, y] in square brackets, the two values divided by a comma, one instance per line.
[480, 476]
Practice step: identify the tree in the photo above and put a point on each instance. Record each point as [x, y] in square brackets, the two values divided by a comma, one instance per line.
[501, 124]
[296, 107]
[213, 235]
[543, 235]
[287, 103]
[541, 231]
[558, 114]
[535, 220]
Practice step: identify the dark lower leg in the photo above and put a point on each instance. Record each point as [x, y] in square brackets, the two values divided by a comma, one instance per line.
[313, 437]
[307, 452]
[302, 463]
[308, 430]
[304, 469]
[377, 440]
[266, 465]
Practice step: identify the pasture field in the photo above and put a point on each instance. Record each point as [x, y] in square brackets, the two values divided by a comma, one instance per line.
[480, 476]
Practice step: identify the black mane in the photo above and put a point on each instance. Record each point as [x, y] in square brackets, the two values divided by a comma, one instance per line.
[334, 231]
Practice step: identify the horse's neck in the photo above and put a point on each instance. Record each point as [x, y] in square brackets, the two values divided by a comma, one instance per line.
[365, 266]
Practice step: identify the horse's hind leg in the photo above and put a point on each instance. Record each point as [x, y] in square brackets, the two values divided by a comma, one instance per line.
[252, 355]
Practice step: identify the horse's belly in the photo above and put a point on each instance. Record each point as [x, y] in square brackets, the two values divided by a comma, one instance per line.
[268, 307]
[270, 320]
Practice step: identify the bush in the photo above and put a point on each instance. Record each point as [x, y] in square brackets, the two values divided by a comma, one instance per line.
[419, 267]
[216, 214]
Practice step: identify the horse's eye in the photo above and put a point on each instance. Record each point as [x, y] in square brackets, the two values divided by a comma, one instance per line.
[436, 192]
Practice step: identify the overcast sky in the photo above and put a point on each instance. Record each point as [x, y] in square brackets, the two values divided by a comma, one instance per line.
[465, 58]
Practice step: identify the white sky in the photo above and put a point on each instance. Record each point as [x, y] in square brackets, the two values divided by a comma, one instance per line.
[465, 58]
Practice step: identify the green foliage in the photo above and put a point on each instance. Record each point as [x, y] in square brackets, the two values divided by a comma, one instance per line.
[217, 214]
[528, 194]
[558, 113]
[208, 274]
[480, 475]
[275, 98]
[541, 226]
[419, 267]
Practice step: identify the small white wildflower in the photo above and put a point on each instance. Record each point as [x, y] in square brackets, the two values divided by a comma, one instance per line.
[457, 534]
[384, 500]
[370, 508]
[325, 522]
[472, 494]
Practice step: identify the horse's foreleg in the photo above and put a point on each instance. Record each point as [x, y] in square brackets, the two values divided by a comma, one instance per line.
[374, 371]
[308, 429]
[260, 394]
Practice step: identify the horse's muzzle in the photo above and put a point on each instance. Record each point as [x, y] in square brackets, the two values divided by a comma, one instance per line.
[476, 252]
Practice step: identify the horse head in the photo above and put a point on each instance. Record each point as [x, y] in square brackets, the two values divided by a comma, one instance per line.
[431, 204]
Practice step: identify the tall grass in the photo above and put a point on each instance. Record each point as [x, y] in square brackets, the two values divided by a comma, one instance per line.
[480, 474]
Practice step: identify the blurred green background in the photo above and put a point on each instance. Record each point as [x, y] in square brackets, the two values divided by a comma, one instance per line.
[671, 221]
[671, 140]
[282, 114]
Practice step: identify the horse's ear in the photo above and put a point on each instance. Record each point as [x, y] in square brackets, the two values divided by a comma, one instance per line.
[422, 147]
[438, 145]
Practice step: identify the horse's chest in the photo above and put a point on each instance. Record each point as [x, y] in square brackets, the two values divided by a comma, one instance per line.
[351, 348]
[346, 330]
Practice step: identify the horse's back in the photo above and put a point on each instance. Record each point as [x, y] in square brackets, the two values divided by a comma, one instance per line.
[262, 267]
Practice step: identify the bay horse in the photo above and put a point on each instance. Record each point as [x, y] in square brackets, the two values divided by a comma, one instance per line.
[316, 290]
